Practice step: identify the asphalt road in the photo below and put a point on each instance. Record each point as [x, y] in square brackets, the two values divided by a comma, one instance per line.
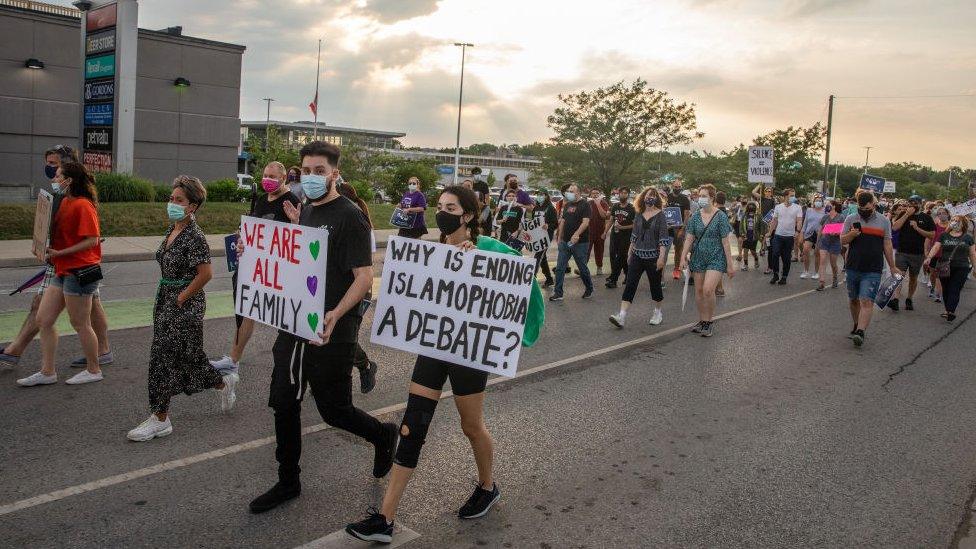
[776, 432]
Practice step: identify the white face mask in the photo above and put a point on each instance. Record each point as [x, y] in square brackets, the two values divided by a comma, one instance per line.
[704, 201]
[412, 186]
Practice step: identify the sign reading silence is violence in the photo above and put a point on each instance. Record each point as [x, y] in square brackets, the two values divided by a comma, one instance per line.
[281, 276]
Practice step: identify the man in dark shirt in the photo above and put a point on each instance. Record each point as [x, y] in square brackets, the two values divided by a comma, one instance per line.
[677, 234]
[572, 240]
[914, 226]
[619, 229]
[327, 366]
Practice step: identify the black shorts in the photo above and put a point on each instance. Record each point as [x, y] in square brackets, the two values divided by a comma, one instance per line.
[416, 232]
[432, 373]
[749, 245]
[812, 239]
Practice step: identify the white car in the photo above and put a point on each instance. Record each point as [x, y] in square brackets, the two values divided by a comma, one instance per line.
[245, 182]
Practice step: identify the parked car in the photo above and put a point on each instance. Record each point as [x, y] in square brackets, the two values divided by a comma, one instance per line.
[245, 182]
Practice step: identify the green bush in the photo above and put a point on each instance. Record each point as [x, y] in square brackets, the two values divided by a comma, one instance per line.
[163, 192]
[363, 189]
[225, 190]
[123, 187]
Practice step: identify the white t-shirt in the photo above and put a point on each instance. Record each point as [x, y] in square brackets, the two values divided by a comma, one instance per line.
[786, 217]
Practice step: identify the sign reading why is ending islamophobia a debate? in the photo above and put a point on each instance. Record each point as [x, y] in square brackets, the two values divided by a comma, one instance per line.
[465, 307]
[281, 275]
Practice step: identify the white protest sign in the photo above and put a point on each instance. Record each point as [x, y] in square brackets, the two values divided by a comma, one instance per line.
[761, 165]
[464, 307]
[890, 186]
[964, 208]
[281, 275]
[42, 224]
[536, 237]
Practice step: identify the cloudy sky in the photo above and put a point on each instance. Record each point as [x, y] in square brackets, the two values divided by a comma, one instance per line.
[750, 65]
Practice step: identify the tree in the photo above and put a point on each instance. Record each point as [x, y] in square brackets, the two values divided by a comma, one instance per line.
[277, 149]
[603, 134]
[358, 163]
[403, 169]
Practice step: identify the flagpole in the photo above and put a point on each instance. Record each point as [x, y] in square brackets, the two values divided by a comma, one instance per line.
[318, 65]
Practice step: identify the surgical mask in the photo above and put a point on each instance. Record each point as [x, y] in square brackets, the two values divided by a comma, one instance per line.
[792, 200]
[818, 203]
[704, 201]
[412, 187]
[270, 184]
[57, 187]
[570, 197]
[447, 222]
[175, 211]
[314, 185]
[540, 199]
[50, 171]
[955, 226]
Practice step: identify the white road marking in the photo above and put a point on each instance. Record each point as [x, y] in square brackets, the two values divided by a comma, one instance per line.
[341, 540]
[107, 482]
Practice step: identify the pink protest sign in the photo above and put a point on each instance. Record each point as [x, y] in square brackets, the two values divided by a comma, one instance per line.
[833, 228]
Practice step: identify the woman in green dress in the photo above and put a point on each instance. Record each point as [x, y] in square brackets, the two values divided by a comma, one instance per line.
[708, 255]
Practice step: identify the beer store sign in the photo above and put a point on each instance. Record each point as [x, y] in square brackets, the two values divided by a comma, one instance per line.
[100, 43]
[99, 90]
[99, 139]
[97, 67]
[99, 115]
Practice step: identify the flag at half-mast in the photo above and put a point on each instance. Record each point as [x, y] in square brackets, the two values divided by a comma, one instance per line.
[314, 105]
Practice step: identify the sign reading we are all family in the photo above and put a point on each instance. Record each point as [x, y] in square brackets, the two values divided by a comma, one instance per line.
[281, 275]
[465, 307]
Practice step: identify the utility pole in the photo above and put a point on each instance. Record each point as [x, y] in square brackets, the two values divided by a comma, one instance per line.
[267, 123]
[457, 144]
[867, 156]
[830, 123]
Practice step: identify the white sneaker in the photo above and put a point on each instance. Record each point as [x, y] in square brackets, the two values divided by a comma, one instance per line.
[227, 396]
[815, 276]
[804, 275]
[225, 365]
[617, 320]
[599, 271]
[657, 317]
[150, 429]
[84, 376]
[37, 378]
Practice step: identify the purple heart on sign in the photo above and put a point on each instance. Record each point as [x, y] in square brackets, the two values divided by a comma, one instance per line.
[313, 284]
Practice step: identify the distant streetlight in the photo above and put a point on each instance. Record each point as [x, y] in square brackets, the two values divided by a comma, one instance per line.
[867, 156]
[457, 144]
[267, 123]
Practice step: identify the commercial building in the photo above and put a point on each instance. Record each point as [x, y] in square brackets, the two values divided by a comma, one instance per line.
[525, 167]
[187, 99]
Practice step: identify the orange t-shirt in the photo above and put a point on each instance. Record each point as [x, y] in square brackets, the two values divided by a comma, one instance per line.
[75, 221]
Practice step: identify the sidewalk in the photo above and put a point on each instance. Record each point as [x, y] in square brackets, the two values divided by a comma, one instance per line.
[16, 253]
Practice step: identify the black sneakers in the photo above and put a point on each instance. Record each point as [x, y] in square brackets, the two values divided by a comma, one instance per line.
[706, 329]
[909, 306]
[480, 502]
[588, 293]
[556, 297]
[367, 377]
[782, 281]
[893, 305]
[858, 337]
[775, 279]
[697, 328]
[373, 528]
[278, 494]
[383, 458]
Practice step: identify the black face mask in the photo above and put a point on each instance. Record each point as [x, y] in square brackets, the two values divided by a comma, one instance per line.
[652, 201]
[865, 213]
[448, 223]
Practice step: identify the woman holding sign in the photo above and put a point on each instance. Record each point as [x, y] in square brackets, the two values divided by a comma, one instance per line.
[412, 206]
[828, 243]
[710, 255]
[457, 219]
[545, 211]
[177, 363]
[647, 254]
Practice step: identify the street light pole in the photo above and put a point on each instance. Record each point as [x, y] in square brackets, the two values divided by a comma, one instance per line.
[867, 156]
[267, 123]
[457, 143]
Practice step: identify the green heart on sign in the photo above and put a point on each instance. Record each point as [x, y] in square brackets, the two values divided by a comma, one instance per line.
[313, 321]
[314, 249]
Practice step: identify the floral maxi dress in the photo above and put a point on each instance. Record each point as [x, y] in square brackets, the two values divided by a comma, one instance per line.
[177, 362]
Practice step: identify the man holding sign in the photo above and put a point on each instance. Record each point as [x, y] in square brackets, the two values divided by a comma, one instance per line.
[465, 313]
[324, 363]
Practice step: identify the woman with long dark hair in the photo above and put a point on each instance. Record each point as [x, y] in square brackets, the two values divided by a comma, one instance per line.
[958, 256]
[76, 254]
[457, 219]
[547, 212]
[648, 253]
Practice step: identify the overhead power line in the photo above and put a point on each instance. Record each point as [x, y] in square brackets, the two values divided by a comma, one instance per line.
[903, 96]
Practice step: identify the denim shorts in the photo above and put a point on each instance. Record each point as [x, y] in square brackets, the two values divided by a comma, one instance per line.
[861, 285]
[69, 285]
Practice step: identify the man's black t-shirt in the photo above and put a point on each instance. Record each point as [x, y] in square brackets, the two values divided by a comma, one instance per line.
[622, 214]
[909, 241]
[680, 201]
[274, 209]
[348, 249]
[573, 215]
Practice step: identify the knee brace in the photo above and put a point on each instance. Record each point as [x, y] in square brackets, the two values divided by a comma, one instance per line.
[413, 429]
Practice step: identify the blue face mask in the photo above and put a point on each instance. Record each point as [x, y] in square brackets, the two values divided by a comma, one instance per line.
[315, 186]
[175, 211]
[50, 171]
[792, 200]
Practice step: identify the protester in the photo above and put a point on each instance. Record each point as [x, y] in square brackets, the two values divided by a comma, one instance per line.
[941, 225]
[484, 197]
[522, 198]
[11, 353]
[709, 255]
[811, 231]
[599, 213]
[620, 230]
[766, 203]
[294, 180]
[786, 224]
[914, 227]
[647, 253]
[177, 362]
[413, 202]
[326, 366]
[676, 199]
[508, 218]
[572, 240]
[545, 211]
[958, 256]
[276, 184]
[828, 245]
[750, 228]
[75, 253]
[868, 237]
[720, 199]
[457, 211]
